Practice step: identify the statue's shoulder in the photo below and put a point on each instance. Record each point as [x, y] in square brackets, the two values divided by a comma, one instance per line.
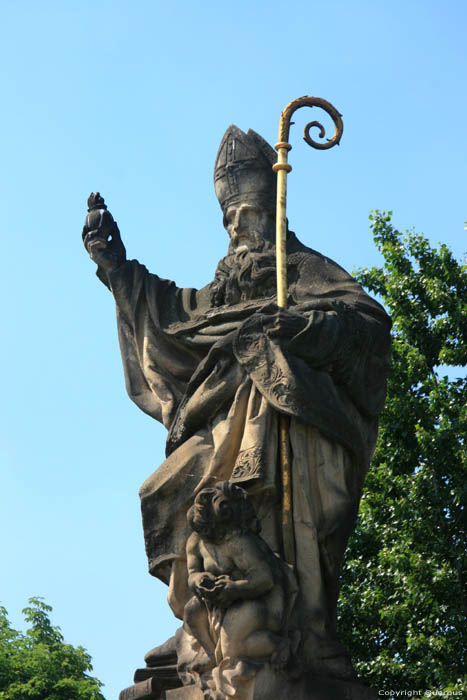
[316, 278]
[203, 299]
[309, 261]
[313, 274]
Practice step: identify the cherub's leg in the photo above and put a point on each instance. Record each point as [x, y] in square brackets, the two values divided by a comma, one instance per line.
[259, 645]
[196, 619]
[244, 632]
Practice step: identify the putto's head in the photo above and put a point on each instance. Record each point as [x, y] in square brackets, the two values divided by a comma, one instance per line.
[246, 187]
[222, 509]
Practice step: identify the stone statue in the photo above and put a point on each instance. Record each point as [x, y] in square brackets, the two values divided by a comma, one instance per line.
[243, 593]
[218, 365]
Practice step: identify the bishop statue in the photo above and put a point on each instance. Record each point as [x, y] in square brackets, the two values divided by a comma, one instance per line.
[218, 366]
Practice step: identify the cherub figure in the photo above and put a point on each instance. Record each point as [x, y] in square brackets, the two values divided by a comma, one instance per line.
[243, 592]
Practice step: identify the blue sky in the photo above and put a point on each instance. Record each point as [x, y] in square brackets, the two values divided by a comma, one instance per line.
[133, 101]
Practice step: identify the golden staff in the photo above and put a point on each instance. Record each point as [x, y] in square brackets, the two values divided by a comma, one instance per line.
[282, 167]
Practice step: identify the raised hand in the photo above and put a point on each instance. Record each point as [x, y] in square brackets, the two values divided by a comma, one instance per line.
[101, 236]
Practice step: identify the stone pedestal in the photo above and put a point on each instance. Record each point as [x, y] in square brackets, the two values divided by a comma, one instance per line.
[267, 685]
[152, 683]
[190, 692]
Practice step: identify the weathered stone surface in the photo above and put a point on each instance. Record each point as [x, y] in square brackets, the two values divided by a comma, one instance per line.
[217, 367]
[243, 595]
[162, 655]
[189, 692]
[166, 676]
[268, 686]
[145, 690]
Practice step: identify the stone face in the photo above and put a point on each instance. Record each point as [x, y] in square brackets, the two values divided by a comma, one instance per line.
[218, 366]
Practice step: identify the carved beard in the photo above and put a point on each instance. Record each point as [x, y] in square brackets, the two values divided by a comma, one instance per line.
[249, 273]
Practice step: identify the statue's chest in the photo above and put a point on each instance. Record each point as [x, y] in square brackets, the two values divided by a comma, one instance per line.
[216, 558]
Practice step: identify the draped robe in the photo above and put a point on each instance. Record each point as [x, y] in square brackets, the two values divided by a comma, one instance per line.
[217, 382]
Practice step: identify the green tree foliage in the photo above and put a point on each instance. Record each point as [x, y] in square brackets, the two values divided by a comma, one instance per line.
[403, 605]
[38, 665]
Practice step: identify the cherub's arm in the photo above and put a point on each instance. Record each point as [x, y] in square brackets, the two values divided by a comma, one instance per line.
[199, 580]
[194, 558]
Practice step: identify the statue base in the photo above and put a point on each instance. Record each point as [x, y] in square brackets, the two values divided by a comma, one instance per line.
[265, 685]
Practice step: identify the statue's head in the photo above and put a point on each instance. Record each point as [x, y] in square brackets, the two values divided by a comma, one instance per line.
[246, 187]
[223, 509]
